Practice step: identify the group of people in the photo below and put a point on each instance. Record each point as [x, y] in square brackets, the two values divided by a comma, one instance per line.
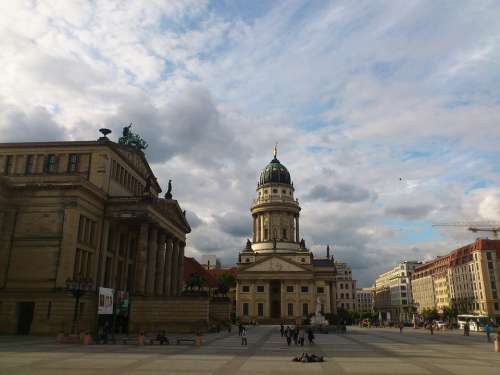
[306, 357]
[297, 334]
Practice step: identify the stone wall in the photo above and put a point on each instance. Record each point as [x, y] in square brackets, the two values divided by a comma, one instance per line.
[175, 314]
[220, 310]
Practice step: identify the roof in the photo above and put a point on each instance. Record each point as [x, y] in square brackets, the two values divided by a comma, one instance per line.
[275, 172]
[323, 263]
[217, 272]
[191, 266]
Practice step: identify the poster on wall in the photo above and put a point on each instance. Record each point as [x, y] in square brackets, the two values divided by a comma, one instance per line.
[105, 306]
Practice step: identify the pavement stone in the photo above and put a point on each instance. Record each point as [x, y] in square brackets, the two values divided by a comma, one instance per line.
[360, 351]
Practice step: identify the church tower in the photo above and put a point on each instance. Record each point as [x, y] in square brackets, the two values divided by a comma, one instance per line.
[275, 211]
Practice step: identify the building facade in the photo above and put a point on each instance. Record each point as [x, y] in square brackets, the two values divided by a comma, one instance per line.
[466, 279]
[346, 287]
[393, 293]
[364, 300]
[278, 278]
[89, 211]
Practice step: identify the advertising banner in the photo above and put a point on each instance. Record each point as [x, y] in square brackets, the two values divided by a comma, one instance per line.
[105, 306]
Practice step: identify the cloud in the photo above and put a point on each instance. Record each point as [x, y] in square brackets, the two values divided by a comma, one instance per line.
[194, 220]
[35, 124]
[339, 192]
[237, 224]
[358, 95]
[410, 212]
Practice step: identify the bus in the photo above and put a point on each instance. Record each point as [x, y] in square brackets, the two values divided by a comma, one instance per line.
[476, 322]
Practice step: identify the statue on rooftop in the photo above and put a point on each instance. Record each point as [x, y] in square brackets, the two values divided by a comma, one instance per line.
[168, 194]
[130, 139]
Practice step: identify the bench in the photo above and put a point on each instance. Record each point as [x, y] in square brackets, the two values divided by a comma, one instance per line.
[152, 340]
[132, 339]
[192, 341]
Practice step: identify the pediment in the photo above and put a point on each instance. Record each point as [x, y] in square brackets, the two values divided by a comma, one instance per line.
[276, 264]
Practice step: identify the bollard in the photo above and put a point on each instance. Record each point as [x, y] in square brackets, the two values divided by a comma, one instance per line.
[140, 339]
[198, 339]
[497, 343]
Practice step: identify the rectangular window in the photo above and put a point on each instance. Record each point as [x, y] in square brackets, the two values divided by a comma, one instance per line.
[341, 286]
[488, 255]
[304, 289]
[245, 309]
[260, 309]
[347, 295]
[73, 162]
[320, 290]
[9, 165]
[290, 309]
[496, 306]
[107, 272]
[245, 289]
[284, 234]
[30, 164]
[342, 295]
[289, 288]
[305, 309]
[266, 234]
[260, 288]
[51, 164]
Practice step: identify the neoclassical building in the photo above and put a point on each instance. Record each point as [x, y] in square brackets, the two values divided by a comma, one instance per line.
[278, 278]
[86, 210]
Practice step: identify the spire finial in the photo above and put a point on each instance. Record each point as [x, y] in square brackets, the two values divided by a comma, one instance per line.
[275, 150]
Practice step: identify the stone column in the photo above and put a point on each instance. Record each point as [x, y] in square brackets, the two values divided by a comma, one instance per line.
[160, 265]
[151, 267]
[180, 279]
[283, 307]
[167, 281]
[141, 260]
[175, 268]
[254, 237]
[297, 235]
[261, 217]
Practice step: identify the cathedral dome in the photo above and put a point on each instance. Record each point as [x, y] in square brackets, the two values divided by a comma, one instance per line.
[275, 172]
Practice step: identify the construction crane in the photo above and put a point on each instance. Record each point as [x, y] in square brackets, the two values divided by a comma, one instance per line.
[475, 227]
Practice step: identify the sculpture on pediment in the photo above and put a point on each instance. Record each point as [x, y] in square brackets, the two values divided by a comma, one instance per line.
[248, 245]
[130, 139]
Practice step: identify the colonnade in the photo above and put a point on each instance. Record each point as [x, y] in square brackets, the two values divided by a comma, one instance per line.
[159, 263]
[260, 227]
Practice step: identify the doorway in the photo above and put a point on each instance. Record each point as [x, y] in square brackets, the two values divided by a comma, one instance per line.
[24, 317]
[275, 297]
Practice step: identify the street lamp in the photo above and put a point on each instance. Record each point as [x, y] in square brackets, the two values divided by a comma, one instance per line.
[78, 287]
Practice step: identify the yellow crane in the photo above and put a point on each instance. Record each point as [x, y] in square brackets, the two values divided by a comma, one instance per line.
[492, 227]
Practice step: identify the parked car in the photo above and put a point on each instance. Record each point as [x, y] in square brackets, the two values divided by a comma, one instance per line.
[441, 324]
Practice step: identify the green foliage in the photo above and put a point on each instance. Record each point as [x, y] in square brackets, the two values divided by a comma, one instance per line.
[430, 314]
[225, 282]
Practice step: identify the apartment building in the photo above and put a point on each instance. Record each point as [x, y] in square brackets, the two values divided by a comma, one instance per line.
[364, 300]
[466, 279]
[346, 287]
[393, 293]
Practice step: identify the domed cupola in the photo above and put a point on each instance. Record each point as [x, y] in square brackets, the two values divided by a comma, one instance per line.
[275, 172]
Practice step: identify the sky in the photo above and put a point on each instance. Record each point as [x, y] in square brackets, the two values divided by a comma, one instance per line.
[386, 113]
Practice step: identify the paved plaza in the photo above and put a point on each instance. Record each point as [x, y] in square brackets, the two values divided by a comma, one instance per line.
[360, 351]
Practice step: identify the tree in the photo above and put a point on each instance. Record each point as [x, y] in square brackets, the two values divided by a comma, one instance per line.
[430, 314]
[225, 282]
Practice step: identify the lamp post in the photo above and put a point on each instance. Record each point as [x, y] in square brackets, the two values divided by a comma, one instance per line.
[78, 287]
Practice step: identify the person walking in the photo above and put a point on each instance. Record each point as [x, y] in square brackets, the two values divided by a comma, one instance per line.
[466, 328]
[310, 336]
[302, 334]
[431, 327]
[240, 328]
[288, 334]
[296, 336]
[401, 325]
[244, 337]
[282, 330]
[487, 329]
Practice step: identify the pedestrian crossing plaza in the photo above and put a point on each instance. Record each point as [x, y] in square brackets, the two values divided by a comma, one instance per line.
[359, 351]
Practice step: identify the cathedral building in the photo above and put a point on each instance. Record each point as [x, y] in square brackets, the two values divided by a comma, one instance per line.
[278, 278]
